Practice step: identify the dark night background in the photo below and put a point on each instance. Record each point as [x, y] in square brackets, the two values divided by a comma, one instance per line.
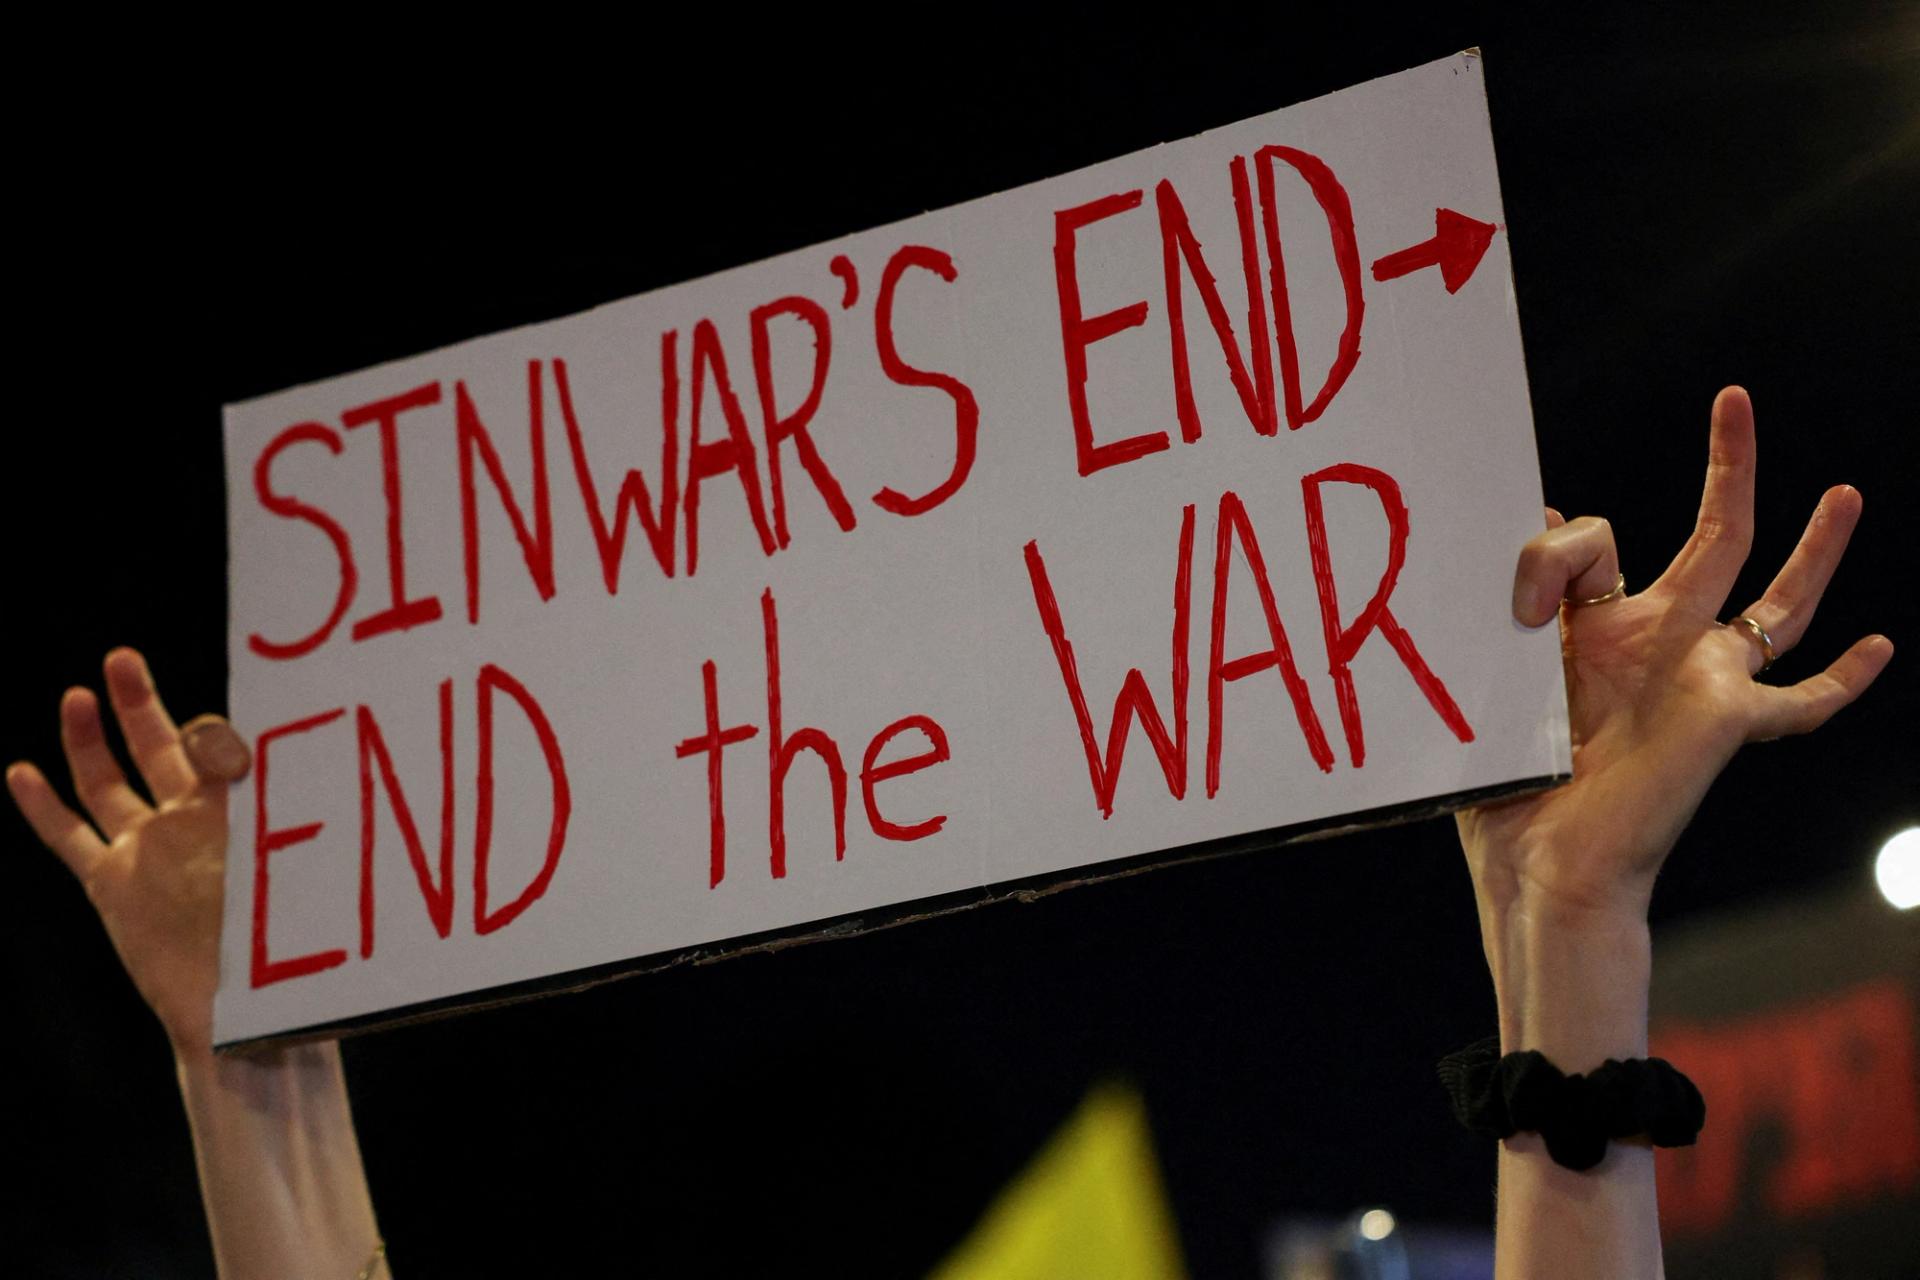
[1694, 199]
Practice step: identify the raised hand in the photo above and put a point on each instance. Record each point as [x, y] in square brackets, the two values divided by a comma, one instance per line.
[153, 870]
[279, 1164]
[1661, 694]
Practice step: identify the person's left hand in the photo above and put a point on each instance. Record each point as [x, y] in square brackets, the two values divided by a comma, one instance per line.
[1660, 694]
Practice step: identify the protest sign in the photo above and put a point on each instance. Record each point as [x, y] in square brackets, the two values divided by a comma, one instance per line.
[1167, 503]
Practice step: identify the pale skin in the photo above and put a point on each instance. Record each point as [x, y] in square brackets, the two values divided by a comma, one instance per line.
[280, 1169]
[1661, 696]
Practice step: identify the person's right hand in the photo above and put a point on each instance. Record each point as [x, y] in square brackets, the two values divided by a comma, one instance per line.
[154, 871]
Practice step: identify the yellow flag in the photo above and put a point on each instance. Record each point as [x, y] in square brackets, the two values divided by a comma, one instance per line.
[1089, 1207]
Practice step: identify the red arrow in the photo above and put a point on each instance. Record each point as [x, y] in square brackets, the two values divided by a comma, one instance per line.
[1458, 244]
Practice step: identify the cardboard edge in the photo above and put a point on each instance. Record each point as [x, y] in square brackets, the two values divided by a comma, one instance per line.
[860, 923]
[255, 399]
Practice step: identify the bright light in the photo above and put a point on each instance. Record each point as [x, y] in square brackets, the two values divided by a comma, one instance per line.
[1377, 1224]
[1897, 869]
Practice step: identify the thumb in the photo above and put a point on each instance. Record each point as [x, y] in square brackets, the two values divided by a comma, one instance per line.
[1576, 560]
[217, 752]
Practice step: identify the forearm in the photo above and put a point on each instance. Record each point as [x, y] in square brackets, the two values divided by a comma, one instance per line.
[1573, 985]
[279, 1164]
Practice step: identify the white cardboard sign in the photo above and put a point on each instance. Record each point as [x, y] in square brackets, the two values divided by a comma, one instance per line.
[1157, 504]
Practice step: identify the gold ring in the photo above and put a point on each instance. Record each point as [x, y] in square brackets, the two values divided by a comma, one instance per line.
[1619, 589]
[1766, 641]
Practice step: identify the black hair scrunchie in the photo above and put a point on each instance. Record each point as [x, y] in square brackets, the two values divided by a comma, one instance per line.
[1575, 1115]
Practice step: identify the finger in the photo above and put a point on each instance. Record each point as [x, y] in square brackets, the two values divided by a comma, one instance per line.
[1554, 518]
[1804, 707]
[61, 829]
[1575, 561]
[97, 780]
[1788, 604]
[152, 738]
[1707, 565]
[217, 753]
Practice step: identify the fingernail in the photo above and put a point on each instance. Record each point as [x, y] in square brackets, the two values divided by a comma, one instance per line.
[219, 747]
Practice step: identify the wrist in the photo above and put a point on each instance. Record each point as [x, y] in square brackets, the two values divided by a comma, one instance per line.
[279, 1079]
[1570, 980]
[279, 1163]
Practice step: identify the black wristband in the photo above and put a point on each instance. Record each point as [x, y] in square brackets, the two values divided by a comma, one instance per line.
[1575, 1115]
